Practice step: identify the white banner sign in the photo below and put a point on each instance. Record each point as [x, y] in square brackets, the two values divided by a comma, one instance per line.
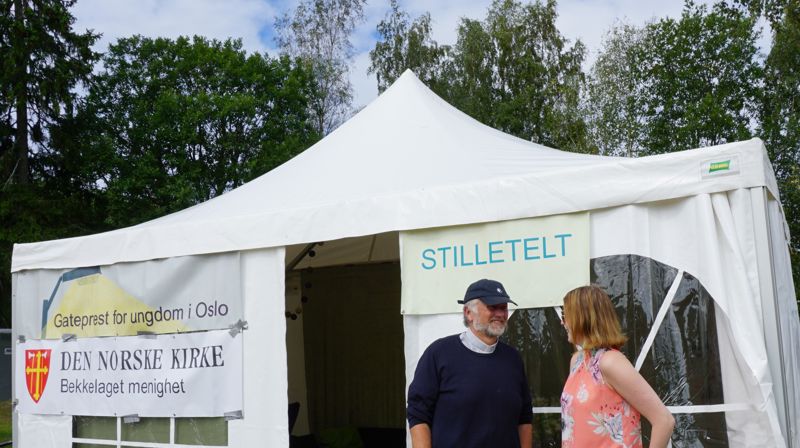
[161, 296]
[538, 260]
[184, 375]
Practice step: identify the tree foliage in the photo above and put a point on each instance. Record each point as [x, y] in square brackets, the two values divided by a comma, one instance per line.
[318, 32]
[677, 84]
[181, 121]
[42, 59]
[771, 10]
[780, 119]
[615, 93]
[521, 68]
[513, 70]
[405, 45]
[703, 79]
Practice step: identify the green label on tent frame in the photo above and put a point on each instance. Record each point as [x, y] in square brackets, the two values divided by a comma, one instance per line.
[719, 166]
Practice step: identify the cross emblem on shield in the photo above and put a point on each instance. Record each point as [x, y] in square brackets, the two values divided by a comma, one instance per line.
[37, 368]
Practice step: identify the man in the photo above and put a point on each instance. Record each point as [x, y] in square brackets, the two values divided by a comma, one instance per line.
[469, 389]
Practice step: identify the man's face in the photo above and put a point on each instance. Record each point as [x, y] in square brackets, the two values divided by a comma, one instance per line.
[489, 319]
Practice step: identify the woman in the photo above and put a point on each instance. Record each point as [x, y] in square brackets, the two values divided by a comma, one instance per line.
[604, 395]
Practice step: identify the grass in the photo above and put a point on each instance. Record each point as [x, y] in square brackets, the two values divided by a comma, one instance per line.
[5, 421]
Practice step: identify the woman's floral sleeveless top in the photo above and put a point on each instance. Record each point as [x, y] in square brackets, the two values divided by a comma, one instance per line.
[592, 413]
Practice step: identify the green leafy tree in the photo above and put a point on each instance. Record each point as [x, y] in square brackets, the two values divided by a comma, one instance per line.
[404, 45]
[780, 118]
[615, 94]
[42, 61]
[516, 72]
[701, 79]
[513, 71]
[181, 121]
[772, 10]
[318, 32]
[677, 84]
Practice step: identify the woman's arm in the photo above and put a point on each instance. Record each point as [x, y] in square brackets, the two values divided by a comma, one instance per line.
[619, 373]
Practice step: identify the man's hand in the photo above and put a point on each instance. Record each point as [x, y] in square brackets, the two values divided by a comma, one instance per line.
[421, 435]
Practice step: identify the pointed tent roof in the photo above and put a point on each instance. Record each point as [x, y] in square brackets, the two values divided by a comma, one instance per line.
[408, 160]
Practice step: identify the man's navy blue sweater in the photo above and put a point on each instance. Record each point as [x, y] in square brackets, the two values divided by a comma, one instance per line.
[470, 399]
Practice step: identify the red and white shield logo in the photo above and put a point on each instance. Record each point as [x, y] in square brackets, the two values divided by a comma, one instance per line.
[37, 367]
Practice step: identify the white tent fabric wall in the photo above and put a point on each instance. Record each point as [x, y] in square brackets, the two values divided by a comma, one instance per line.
[27, 313]
[265, 382]
[30, 430]
[787, 314]
[711, 237]
[43, 431]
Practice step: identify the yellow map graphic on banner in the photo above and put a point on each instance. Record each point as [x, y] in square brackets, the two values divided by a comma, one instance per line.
[96, 306]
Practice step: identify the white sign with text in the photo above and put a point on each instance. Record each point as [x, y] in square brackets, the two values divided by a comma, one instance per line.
[538, 260]
[175, 295]
[183, 375]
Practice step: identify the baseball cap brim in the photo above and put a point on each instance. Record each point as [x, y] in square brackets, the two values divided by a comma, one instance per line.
[490, 300]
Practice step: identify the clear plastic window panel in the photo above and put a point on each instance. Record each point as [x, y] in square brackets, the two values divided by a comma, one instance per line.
[152, 430]
[94, 427]
[102, 431]
[209, 431]
[682, 365]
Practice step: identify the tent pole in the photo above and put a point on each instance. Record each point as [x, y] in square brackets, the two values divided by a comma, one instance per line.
[371, 248]
[771, 308]
[16, 323]
[297, 259]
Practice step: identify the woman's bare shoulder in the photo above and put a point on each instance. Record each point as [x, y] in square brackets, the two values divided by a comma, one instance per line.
[612, 356]
[614, 365]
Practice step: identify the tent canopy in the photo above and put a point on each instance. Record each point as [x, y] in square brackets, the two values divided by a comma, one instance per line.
[408, 160]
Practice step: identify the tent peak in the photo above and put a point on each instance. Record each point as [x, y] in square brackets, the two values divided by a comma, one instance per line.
[408, 72]
[406, 79]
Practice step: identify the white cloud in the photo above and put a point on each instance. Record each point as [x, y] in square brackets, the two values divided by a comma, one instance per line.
[242, 19]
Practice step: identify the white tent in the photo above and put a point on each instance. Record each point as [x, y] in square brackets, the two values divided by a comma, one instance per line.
[411, 161]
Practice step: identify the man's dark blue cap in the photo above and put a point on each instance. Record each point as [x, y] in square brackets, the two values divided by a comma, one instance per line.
[491, 292]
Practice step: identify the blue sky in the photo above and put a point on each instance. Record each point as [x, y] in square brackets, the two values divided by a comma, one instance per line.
[253, 22]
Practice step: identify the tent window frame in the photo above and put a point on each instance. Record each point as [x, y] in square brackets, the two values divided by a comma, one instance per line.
[119, 442]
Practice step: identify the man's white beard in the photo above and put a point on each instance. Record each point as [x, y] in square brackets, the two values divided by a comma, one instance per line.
[489, 329]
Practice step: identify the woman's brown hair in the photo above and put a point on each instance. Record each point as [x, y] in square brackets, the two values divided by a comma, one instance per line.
[591, 318]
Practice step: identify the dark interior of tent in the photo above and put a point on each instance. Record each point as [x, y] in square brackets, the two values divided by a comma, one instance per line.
[352, 340]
